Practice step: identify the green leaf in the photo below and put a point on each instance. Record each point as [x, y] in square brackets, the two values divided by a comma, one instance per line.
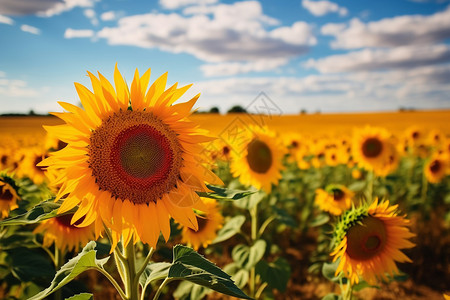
[329, 269]
[249, 202]
[230, 228]
[332, 297]
[154, 271]
[224, 193]
[284, 217]
[19, 239]
[82, 296]
[276, 273]
[357, 186]
[319, 220]
[191, 266]
[85, 260]
[28, 265]
[247, 257]
[43, 211]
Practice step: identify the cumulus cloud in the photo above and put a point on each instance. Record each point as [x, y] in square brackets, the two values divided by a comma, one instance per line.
[91, 15]
[66, 5]
[321, 8]
[6, 20]
[108, 16]
[223, 33]
[391, 32]
[78, 33]
[174, 4]
[405, 57]
[15, 88]
[30, 29]
[234, 68]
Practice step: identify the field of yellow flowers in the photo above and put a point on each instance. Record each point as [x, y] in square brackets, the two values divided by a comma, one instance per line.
[116, 202]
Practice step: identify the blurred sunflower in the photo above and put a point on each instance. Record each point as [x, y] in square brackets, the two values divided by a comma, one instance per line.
[334, 199]
[133, 158]
[390, 164]
[435, 138]
[436, 168]
[52, 143]
[66, 236]
[29, 165]
[257, 160]
[294, 143]
[370, 147]
[8, 195]
[209, 222]
[332, 157]
[368, 239]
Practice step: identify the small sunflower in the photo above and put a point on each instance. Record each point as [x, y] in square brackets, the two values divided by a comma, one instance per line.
[436, 168]
[66, 236]
[335, 199]
[368, 241]
[370, 147]
[332, 157]
[257, 160]
[29, 165]
[8, 195]
[390, 164]
[209, 222]
[133, 158]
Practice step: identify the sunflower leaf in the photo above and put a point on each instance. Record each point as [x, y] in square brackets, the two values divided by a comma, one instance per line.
[221, 193]
[82, 296]
[85, 260]
[43, 211]
[230, 228]
[276, 273]
[191, 266]
[154, 271]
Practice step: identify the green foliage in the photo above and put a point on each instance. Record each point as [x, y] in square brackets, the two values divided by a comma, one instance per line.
[276, 273]
[82, 296]
[230, 228]
[220, 193]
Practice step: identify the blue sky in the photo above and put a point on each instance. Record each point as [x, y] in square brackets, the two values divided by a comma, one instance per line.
[332, 56]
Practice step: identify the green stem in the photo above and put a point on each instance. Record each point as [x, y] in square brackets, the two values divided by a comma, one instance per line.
[131, 284]
[348, 292]
[163, 284]
[371, 178]
[424, 188]
[59, 261]
[144, 264]
[260, 290]
[254, 237]
[265, 224]
[114, 283]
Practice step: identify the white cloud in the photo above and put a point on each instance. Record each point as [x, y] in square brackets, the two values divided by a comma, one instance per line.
[391, 32]
[15, 88]
[91, 15]
[66, 5]
[321, 8]
[225, 33]
[108, 16]
[6, 20]
[30, 29]
[234, 68]
[174, 4]
[75, 33]
[405, 57]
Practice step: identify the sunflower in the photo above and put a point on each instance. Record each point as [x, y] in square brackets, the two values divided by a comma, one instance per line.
[335, 199]
[390, 164]
[29, 165]
[257, 159]
[332, 157]
[370, 147]
[66, 236]
[368, 240]
[8, 195]
[436, 168]
[209, 222]
[294, 143]
[133, 158]
[52, 143]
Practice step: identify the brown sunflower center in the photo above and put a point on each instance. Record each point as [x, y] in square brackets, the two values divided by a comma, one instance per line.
[259, 156]
[37, 160]
[338, 194]
[202, 221]
[225, 150]
[366, 240]
[4, 159]
[415, 135]
[64, 221]
[294, 144]
[372, 147]
[435, 166]
[135, 156]
[5, 194]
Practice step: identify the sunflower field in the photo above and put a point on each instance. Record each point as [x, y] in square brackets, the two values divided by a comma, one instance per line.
[132, 195]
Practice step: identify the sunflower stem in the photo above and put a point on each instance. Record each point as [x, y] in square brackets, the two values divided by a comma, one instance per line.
[161, 287]
[371, 179]
[254, 237]
[260, 290]
[59, 261]
[348, 292]
[265, 224]
[424, 188]
[113, 282]
[131, 284]
[144, 264]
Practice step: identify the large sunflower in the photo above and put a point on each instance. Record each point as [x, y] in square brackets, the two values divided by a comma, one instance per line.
[368, 242]
[133, 158]
[8, 195]
[371, 147]
[257, 159]
[209, 222]
[335, 199]
[66, 236]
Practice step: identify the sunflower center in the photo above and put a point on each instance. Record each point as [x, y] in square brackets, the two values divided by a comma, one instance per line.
[135, 156]
[338, 194]
[64, 221]
[37, 160]
[202, 221]
[4, 159]
[259, 156]
[366, 240]
[294, 144]
[6, 195]
[415, 135]
[372, 147]
[435, 166]
[225, 150]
